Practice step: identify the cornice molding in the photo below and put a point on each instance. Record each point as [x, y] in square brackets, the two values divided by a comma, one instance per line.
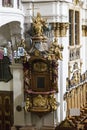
[42, 1]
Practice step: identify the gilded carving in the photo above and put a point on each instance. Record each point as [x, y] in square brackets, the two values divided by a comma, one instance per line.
[55, 51]
[40, 101]
[53, 102]
[28, 104]
[40, 66]
[41, 70]
[39, 24]
[60, 29]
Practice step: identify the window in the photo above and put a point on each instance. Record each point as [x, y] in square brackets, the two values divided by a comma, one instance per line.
[73, 27]
[76, 27]
[7, 3]
[71, 31]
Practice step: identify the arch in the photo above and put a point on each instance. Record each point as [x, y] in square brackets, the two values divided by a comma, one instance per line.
[9, 30]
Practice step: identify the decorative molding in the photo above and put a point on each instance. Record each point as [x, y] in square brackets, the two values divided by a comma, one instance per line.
[41, 104]
[60, 29]
[16, 66]
[38, 1]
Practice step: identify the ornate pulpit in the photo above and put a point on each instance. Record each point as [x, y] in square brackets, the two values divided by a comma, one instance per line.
[41, 71]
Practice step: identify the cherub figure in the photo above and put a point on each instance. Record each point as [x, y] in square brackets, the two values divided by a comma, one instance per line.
[28, 104]
[38, 24]
[53, 102]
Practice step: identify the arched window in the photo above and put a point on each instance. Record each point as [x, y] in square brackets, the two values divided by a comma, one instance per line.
[74, 27]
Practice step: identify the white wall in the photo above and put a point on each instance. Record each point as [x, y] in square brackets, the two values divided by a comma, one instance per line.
[18, 93]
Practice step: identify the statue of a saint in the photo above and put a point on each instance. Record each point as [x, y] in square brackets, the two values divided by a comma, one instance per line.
[38, 24]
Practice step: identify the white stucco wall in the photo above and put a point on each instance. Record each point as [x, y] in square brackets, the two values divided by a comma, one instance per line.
[18, 93]
[9, 15]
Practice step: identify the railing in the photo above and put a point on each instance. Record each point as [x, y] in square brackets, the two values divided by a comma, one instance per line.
[75, 82]
[76, 98]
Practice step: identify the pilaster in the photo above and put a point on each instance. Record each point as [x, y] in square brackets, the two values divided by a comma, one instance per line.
[18, 93]
[15, 4]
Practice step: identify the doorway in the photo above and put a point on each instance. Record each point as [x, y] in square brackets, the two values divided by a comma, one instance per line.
[6, 110]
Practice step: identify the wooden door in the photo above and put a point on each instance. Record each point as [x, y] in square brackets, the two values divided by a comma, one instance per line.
[6, 110]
